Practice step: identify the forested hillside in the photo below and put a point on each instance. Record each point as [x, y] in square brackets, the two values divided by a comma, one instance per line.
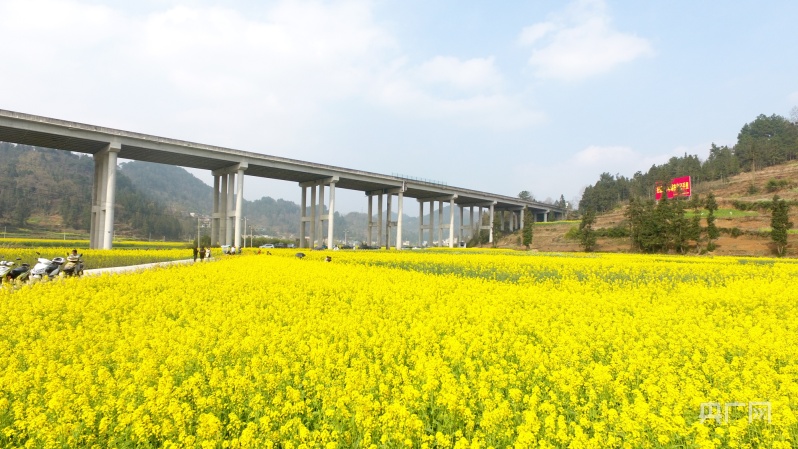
[57, 184]
[764, 142]
[170, 185]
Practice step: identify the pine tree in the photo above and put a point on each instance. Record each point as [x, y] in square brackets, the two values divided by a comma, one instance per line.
[712, 230]
[779, 224]
[587, 235]
[497, 228]
[529, 223]
[694, 226]
[679, 226]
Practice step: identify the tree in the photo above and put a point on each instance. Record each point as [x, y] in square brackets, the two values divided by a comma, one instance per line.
[587, 235]
[780, 223]
[529, 223]
[497, 228]
[679, 226]
[526, 195]
[694, 227]
[712, 230]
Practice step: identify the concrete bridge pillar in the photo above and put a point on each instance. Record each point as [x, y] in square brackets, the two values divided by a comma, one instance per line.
[222, 212]
[369, 238]
[302, 213]
[331, 217]
[215, 211]
[228, 200]
[228, 213]
[312, 216]
[451, 222]
[104, 197]
[238, 216]
[388, 222]
[490, 225]
[462, 216]
[379, 220]
[399, 212]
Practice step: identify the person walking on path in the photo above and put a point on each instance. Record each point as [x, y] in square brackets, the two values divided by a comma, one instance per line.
[195, 253]
[202, 254]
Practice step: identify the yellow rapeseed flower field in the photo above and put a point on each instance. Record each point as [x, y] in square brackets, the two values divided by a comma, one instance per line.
[98, 258]
[450, 349]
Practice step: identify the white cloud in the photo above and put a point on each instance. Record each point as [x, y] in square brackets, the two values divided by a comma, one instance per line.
[474, 100]
[472, 74]
[209, 72]
[533, 33]
[594, 155]
[580, 43]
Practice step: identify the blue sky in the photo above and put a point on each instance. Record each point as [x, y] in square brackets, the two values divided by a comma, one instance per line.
[496, 96]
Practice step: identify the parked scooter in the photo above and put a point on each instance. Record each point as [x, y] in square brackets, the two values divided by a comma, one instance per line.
[5, 267]
[20, 273]
[74, 265]
[46, 268]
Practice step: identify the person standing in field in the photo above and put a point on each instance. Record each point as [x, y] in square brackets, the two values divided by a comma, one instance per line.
[202, 254]
[195, 253]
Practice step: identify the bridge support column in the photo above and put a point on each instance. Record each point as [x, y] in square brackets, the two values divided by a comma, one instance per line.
[228, 200]
[303, 211]
[312, 216]
[228, 213]
[215, 211]
[313, 210]
[471, 222]
[388, 222]
[440, 223]
[399, 212]
[222, 238]
[331, 218]
[238, 216]
[370, 225]
[104, 197]
[379, 221]
[460, 234]
[319, 220]
[421, 226]
[451, 222]
[97, 195]
[490, 224]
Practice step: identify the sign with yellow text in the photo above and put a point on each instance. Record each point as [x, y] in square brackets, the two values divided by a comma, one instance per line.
[678, 186]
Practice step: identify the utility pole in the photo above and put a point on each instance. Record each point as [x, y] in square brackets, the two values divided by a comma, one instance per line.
[198, 231]
[245, 232]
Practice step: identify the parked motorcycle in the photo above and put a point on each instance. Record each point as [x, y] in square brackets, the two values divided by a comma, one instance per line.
[74, 265]
[20, 273]
[5, 267]
[46, 268]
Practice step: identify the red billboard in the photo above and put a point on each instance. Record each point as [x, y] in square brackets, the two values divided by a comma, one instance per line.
[680, 185]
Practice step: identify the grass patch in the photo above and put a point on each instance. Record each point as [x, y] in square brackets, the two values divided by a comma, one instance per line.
[725, 213]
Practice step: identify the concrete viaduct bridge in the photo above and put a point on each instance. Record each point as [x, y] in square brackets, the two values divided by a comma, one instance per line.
[228, 166]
